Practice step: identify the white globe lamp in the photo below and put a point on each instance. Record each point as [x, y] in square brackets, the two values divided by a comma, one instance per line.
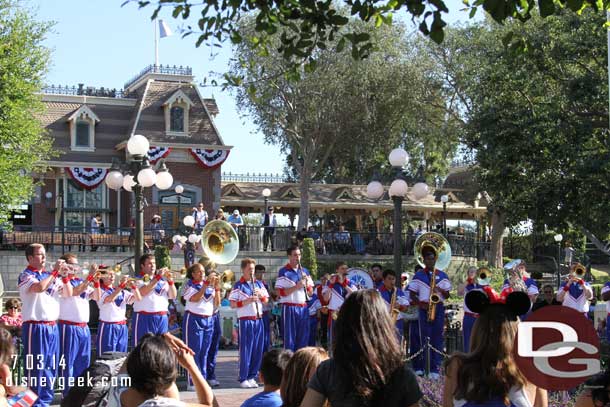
[445, 198]
[188, 221]
[374, 190]
[179, 189]
[147, 177]
[193, 238]
[138, 145]
[266, 192]
[398, 157]
[420, 190]
[164, 180]
[128, 182]
[399, 188]
[114, 180]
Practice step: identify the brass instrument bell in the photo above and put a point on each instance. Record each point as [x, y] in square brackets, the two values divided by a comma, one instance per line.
[220, 242]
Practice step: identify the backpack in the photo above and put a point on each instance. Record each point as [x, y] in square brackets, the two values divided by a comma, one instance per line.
[101, 372]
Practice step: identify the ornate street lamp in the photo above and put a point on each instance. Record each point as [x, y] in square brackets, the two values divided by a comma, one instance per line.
[133, 176]
[558, 238]
[444, 200]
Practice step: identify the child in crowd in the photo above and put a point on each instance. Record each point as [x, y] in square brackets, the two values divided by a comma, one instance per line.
[271, 372]
[9, 394]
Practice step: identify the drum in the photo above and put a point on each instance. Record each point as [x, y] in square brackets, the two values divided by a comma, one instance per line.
[360, 278]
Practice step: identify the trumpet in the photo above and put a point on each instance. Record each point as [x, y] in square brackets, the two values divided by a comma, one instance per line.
[579, 271]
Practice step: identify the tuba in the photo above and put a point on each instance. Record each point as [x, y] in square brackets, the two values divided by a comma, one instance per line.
[220, 242]
[441, 248]
[483, 276]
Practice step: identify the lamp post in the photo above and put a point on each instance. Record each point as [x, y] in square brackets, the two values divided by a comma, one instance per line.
[189, 250]
[558, 238]
[444, 200]
[179, 190]
[398, 190]
[266, 195]
[135, 175]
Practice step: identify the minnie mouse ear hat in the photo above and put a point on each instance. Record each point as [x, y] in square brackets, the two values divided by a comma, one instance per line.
[516, 302]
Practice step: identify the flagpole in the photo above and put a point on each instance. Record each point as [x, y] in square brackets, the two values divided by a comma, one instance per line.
[156, 44]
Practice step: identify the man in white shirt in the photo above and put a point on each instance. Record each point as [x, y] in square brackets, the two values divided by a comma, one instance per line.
[38, 290]
[201, 217]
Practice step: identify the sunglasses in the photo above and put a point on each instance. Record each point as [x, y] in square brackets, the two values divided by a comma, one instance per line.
[13, 308]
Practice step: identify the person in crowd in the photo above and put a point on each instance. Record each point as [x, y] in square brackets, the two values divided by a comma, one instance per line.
[12, 318]
[414, 332]
[343, 239]
[338, 289]
[299, 371]
[174, 323]
[519, 280]
[151, 365]
[210, 375]
[322, 312]
[401, 300]
[488, 375]
[235, 219]
[313, 305]
[606, 297]
[39, 291]
[220, 215]
[367, 367]
[259, 272]
[10, 394]
[150, 312]
[248, 296]
[156, 228]
[596, 391]
[431, 331]
[377, 274]
[547, 298]
[94, 228]
[575, 293]
[272, 369]
[294, 285]
[201, 217]
[112, 333]
[74, 334]
[198, 324]
[269, 224]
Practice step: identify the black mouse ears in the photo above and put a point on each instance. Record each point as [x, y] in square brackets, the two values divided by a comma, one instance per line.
[517, 302]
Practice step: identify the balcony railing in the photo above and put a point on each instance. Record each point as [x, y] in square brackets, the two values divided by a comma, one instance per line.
[84, 91]
[262, 178]
[161, 69]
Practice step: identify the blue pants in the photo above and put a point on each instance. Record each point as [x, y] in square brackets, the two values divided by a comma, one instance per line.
[329, 333]
[40, 349]
[213, 352]
[198, 331]
[434, 331]
[75, 349]
[313, 330]
[147, 323]
[467, 325]
[296, 327]
[266, 331]
[250, 348]
[111, 338]
[415, 344]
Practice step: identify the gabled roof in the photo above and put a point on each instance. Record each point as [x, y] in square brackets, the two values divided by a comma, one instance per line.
[231, 190]
[83, 110]
[288, 192]
[178, 97]
[342, 193]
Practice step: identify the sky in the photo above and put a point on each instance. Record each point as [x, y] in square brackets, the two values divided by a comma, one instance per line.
[101, 44]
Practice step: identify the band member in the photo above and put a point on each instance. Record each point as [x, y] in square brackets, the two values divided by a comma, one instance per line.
[38, 290]
[431, 331]
[294, 286]
[198, 322]
[259, 272]
[337, 290]
[313, 305]
[377, 274]
[210, 374]
[401, 302]
[518, 280]
[74, 334]
[414, 338]
[112, 332]
[150, 312]
[323, 311]
[576, 292]
[248, 296]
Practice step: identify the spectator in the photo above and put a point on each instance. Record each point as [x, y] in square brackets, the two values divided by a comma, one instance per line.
[488, 375]
[548, 298]
[269, 224]
[343, 240]
[201, 217]
[596, 391]
[12, 318]
[272, 368]
[235, 219]
[220, 215]
[299, 370]
[367, 367]
[11, 395]
[158, 234]
[95, 229]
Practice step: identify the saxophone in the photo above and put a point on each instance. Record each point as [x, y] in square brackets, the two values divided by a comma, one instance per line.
[393, 311]
[433, 299]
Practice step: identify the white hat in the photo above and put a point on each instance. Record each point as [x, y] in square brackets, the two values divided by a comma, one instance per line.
[156, 216]
[235, 212]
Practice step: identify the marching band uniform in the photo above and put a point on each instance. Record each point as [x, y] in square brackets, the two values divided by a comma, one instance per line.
[402, 302]
[295, 316]
[605, 289]
[112, 333]
[420, 285]
[213, 352]
[338, 293]
[530, 285]
[251, 333]
[469, 316]
[576, 296]
[74, 334]
[40, 334]
[198, 321]
[150, 313]
[313, 305]
[323, 316]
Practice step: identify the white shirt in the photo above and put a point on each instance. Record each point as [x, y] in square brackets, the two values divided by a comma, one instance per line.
[205, 306]
[242, 290]
[154, 301]
[516, 396]
[287, 278]
[76, 307]
[114, 311]
[42, 306]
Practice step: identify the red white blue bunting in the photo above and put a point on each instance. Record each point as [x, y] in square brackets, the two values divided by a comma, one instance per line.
[88, 178]
[209, 158]
[157, 153]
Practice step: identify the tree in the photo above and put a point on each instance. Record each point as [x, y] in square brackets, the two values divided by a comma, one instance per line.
[312, 26]
[23, 144]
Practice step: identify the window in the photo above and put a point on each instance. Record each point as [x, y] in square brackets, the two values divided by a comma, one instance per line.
[82, 134]
[82, 129]
[177, 119]
[87, 202]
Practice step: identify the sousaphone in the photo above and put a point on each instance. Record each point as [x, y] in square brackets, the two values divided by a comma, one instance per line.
[220, 242]
[439, 244]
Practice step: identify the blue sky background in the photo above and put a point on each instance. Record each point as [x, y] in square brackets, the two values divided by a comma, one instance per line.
[99, 43]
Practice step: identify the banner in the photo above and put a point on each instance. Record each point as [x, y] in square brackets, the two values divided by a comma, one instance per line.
[88, 178]
[209, 158]
[157, 153]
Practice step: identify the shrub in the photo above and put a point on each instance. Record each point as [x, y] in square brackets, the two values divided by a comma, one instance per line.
[308, 259]
[162, 257]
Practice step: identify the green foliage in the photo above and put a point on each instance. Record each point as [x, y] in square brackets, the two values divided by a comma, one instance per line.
[308, 259]
[162, 257]
[23, 143]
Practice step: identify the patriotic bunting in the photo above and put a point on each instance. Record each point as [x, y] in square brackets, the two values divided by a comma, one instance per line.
[88, 178]
[157, 153]
[209, 158]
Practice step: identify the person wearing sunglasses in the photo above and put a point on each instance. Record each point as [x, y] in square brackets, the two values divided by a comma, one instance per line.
[12, 318]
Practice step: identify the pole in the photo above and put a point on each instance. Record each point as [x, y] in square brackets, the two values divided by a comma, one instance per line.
[139, 232]
[179, 213]
[62, 222]
[445, 219]
[397, 234]
[558, 264]
[156, 44]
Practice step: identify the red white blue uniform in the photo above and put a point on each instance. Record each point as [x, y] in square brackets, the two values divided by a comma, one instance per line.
[432, 331]
[605, 289]
[338, 293]
[112, 333]
[74, 334]
[150, 313]
[469, 316]
[575, 296]
[40, 334]
[313, 305]
[214, 344]
[198, 321]
[530, 285]
[401, 301]
[295, 316]
[251, 335]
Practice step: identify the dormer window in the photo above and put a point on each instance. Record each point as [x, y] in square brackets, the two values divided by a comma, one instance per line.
[82, 129]
[177, 114]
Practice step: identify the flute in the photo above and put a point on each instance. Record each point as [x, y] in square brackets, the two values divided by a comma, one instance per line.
[258, 314]
[304, 280]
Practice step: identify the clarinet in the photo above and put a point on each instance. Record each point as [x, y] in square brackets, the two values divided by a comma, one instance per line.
[258, 314]
[304, 280]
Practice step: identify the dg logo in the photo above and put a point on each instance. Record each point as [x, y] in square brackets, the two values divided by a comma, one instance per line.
[557, 348]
